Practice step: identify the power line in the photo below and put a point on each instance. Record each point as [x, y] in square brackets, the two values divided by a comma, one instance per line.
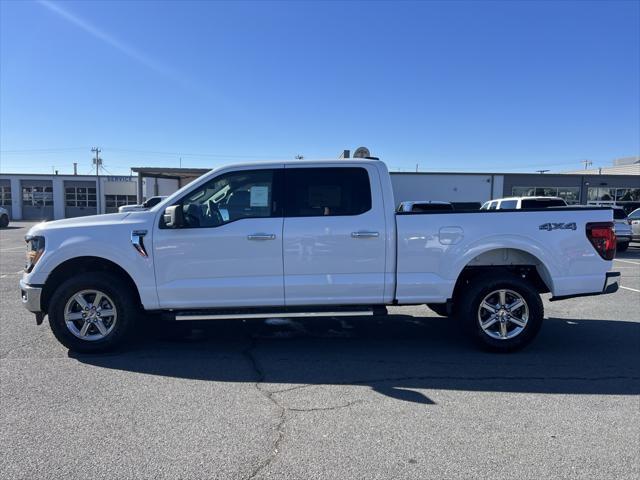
[183, 154]
[43, 150]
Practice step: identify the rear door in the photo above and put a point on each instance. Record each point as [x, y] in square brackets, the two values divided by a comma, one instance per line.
[334, 236]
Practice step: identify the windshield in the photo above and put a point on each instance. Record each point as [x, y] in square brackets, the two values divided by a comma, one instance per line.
[153, 201]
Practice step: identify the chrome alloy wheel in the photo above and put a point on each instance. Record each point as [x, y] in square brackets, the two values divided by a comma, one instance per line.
[90, 315]
[503, 314]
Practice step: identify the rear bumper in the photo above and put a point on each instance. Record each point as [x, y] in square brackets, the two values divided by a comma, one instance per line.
[611, 285]
[31, 295]
[611, 282]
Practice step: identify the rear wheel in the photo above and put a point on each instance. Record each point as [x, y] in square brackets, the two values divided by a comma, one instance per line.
[92, 312]
[622, 247]
[4, 221]
[502, 312]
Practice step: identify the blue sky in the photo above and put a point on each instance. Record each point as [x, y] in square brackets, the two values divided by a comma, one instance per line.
[500, 86]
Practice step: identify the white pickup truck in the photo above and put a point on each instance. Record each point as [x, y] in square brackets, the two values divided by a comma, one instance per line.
[300, 239]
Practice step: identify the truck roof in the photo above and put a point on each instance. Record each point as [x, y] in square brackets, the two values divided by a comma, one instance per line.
[303, 162]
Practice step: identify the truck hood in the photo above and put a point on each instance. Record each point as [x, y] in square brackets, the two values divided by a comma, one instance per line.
[89, 221]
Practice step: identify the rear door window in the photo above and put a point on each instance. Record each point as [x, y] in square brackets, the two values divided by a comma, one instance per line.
[317, 192]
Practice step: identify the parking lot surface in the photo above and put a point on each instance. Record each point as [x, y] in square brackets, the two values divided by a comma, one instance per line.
[403, 396]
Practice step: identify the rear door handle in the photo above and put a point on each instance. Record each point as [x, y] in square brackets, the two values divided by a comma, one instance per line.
[365, 234]
[261, 236]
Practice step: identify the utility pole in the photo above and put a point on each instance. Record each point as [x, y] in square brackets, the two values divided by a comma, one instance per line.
[542, 171]
[97, 162]
[587, 163]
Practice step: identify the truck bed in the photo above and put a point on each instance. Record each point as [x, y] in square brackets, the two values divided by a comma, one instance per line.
[434, 247]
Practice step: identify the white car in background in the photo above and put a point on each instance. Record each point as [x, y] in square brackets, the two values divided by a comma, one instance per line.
[622, 226]
[4, 217]
[517, 203]
[634, 217]
[152, 202]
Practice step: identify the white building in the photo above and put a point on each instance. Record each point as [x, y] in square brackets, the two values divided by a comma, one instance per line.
[39, 197]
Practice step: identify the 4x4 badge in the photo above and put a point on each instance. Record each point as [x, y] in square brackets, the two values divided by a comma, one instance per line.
[558, 226]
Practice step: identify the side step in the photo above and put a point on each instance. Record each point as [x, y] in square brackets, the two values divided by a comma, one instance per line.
[291, 312]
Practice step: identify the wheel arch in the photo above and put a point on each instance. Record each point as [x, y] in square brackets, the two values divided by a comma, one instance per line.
[514, 261]
[83, 264]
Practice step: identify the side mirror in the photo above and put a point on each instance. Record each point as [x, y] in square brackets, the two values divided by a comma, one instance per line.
[174, 217]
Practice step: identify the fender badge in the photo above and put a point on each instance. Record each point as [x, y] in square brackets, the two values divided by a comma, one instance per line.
[558, 226]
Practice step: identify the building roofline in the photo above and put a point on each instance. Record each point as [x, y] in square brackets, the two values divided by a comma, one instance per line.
[71, 175]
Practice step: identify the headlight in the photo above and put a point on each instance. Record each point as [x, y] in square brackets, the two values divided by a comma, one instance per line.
[35, 249]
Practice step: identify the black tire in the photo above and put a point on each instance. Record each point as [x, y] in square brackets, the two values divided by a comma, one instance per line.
[4, 221]
[439, 308]
[622, 247]
[468, 306]
[124, 303]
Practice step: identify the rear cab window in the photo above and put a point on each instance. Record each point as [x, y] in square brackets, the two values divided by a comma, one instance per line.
[542, 203]
[431, 207]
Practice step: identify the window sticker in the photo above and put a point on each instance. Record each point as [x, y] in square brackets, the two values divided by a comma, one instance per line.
[259, 196]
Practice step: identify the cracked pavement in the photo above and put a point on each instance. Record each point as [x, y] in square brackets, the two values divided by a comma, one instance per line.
[398, 397]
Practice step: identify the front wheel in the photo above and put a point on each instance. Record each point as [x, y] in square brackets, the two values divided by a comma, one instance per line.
[92, 312]
[502, 313]
[4, 221]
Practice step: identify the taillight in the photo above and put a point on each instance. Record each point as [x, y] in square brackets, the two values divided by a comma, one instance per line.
[603, 238]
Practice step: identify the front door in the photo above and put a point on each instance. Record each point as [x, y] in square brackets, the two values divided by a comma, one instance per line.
[334, 236]
[229, 251]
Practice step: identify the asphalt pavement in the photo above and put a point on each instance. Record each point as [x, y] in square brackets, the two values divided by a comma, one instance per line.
[403, 396]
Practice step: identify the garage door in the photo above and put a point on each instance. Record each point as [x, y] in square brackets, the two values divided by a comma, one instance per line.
[37, 199]
[79, 199]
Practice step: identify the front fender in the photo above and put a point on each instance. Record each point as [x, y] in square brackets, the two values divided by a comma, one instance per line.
[113, 244]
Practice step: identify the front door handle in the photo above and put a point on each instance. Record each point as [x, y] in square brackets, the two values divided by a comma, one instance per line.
[261, 236]
[365, 234]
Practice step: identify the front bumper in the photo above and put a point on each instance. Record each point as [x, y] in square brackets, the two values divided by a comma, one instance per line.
[31, 295]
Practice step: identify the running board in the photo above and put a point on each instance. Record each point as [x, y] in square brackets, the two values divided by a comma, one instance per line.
[256, 314]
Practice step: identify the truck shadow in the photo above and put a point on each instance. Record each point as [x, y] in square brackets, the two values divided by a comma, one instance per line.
[394, 355]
